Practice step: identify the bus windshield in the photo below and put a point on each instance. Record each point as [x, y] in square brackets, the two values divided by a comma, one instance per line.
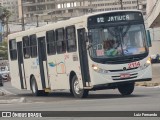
[117, 41]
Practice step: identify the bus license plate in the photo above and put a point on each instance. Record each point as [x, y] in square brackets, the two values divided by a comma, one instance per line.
[125, 75]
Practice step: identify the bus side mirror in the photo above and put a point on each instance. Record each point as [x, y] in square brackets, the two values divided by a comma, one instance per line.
[149, 44]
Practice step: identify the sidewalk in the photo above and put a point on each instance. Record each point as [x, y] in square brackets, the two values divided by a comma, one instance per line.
[155, 79]
[2, 93]
[8, 98]
[5, 98]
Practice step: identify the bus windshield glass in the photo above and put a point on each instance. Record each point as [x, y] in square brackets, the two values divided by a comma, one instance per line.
[116, 35]
[117, 41]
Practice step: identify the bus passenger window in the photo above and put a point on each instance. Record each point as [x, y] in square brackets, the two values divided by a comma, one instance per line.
[26, 47]
[61, 43]
[71, 39]
[33, 44]
[51, 46]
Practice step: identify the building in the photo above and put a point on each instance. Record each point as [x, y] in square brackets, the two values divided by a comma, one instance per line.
[153, 13]
[51, 10]
[108, 5]
[12, 6]
[37, 11]
[153, 19]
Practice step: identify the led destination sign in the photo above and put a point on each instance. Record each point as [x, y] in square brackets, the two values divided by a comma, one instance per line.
[118, 18]
[115, 17]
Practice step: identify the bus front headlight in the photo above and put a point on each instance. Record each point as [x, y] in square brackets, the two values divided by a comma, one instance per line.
[99, 70]
[148, 62]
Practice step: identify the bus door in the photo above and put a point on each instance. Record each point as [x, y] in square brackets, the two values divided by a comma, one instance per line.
[43, 62]
[83, 56]
[21, 66]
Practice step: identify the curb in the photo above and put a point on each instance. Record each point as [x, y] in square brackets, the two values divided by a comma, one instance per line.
[2, 93]
[20, 100]
[10, 101]
[147, 84]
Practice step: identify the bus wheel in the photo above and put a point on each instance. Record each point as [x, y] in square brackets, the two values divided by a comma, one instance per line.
[126, 89]
[35, 90]
[77, 92]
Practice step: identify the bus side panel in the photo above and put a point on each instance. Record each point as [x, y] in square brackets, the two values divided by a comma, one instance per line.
[72, 65]
[14, 73]
[33, 69]
[59, 79]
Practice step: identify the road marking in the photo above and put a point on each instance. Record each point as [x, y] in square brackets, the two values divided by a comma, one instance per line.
[7, 92]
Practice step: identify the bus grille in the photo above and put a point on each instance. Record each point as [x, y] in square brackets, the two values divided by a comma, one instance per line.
[123, 70]
[132, 76]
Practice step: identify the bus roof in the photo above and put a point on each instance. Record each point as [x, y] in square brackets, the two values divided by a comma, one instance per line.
[70, 21]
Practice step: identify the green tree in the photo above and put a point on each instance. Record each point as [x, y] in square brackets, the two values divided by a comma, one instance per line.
[4, 17]
[4, 50]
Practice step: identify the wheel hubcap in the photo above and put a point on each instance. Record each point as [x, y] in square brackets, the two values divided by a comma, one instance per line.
[76, 87]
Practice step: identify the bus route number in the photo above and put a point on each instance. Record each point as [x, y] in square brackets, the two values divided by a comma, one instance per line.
[100, 20]
[133, 65]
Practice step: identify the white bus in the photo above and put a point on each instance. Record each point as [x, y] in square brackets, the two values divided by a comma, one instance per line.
[105, 50]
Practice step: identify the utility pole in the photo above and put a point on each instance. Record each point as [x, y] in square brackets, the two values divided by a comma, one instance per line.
[121, 2]
[37, 20]
[23, 26]
[137, 5]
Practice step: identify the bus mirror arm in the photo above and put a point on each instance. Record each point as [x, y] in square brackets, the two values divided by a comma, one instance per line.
[86, 37]
[89, 46]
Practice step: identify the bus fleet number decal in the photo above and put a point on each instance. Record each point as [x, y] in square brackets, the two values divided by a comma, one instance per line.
[133, 64]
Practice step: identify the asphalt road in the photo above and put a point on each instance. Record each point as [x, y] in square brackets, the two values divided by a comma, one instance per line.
[156, 72]
[142, 99]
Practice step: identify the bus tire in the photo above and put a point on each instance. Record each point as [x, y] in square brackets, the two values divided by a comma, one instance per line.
[126, 89]
[77, 92]
[35, 90]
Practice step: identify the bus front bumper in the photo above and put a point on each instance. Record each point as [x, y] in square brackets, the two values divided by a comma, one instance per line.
[115, 84]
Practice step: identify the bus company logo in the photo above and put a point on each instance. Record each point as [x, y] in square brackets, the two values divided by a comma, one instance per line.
[6, 114]
[124, 69]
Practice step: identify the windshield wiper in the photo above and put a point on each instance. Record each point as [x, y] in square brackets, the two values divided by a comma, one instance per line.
[128, 27]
